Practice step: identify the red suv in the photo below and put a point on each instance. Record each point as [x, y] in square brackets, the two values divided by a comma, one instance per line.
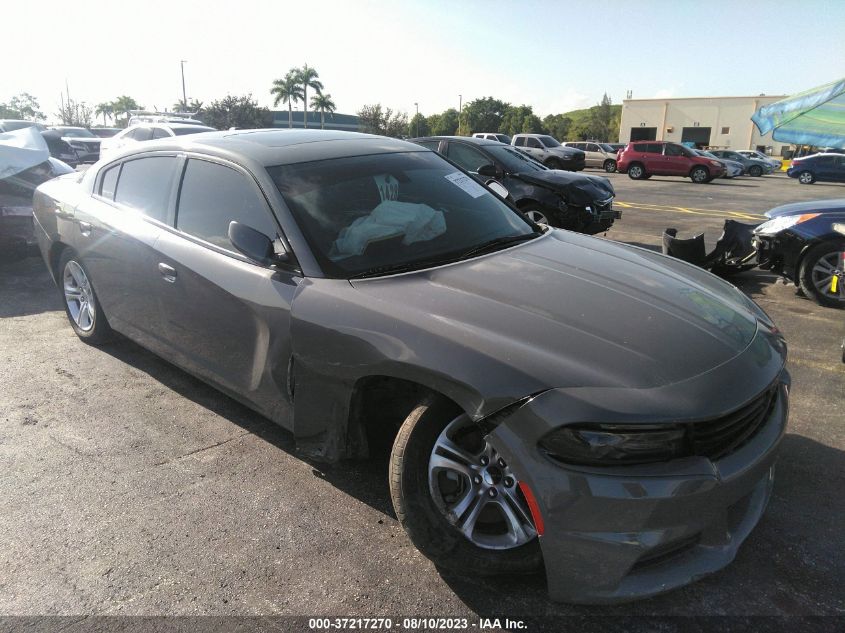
[644, 159]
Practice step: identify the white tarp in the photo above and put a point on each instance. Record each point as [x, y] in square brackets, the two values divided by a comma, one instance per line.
[416, 222]
[20, 150]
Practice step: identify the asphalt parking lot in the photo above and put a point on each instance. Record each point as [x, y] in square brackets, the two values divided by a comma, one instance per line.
[129, 487]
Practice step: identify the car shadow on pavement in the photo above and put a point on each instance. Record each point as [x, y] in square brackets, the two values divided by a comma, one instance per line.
[365, 480]
[26, 288]
[790, 565]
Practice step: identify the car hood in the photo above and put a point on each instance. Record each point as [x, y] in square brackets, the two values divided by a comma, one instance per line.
[568, 152]
[580, 189]
[569, 310]
[837, 205]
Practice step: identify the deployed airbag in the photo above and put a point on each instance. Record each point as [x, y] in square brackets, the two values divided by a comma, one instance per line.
[20, 150]
[414, 222]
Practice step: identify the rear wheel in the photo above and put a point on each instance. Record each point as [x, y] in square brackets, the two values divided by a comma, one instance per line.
[755, 170]
[636, 171]
[610, 166]
[700, 175]
[818, 268]
[456, 497]
[81, 305]
[806, 178]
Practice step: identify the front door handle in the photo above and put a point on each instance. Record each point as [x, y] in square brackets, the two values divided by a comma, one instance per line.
[167, 272]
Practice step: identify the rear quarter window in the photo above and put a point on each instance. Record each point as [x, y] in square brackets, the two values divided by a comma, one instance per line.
[109, 182]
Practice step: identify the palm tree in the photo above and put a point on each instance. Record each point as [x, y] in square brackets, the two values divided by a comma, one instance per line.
[288, 91]
[323, 103]
[123, 104]
[308, 78]
[106, 109]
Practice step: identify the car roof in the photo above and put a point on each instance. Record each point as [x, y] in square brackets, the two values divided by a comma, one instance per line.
[468, 139]
[280, 147]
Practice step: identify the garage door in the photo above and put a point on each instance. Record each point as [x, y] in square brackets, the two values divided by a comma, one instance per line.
[698, 135]
[643, 133]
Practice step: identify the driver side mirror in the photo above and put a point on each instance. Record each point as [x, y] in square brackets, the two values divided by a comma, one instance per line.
[489, 171]
[256, 246]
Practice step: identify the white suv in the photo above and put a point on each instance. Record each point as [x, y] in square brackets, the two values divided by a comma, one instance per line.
[148, 131]
[493, 136]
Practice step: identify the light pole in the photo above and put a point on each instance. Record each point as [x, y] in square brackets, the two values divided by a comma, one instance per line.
[417, 117]
[460, 109]
[184, 98]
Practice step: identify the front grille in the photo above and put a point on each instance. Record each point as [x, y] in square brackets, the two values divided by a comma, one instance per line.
[603, 205]
[719, 437]
[667, 551]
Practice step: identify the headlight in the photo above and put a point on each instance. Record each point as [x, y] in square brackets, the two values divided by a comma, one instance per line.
[77, 145]
[716, 163]
[614, 444]
[782, 223]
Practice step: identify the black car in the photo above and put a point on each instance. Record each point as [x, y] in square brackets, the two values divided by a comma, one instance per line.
[59, 148]
[562, 199]
[547, 399]
[805, 242]
[828, 167]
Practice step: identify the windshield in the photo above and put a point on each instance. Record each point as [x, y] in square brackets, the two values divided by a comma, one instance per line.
[513, 160]
[76, 132]
[181, 131]
[548, 141]
[388, 210]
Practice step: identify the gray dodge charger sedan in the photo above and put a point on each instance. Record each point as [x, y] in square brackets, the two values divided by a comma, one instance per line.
[548, 400]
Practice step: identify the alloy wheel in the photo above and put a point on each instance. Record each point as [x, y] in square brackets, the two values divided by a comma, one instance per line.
[635, 172]
[536, 216]
[822, 276]
[805, 178]
[78, 296]
[476, 490]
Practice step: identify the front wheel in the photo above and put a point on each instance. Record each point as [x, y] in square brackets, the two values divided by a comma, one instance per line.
[610, 166]
[535, 214]
[81, 305]
[806, 178]
[755, 170]
[821, 264]
[700, 175]
[457, 498]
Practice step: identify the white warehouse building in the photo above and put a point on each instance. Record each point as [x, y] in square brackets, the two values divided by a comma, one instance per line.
[714, 122]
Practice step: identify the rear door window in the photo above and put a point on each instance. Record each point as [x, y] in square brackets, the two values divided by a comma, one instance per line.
[145, 184]
[520, 142]
[160, 132]
[533, 142]
[212, 196]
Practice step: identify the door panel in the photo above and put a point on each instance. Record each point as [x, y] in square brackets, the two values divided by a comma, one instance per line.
[228, 321]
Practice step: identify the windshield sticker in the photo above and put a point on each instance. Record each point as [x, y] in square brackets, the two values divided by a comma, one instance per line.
[466, 183]
[388, 187]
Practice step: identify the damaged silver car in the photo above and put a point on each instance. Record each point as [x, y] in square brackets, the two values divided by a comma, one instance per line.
[548, 400]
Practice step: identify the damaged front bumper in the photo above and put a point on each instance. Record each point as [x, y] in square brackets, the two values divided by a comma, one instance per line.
[628, 532]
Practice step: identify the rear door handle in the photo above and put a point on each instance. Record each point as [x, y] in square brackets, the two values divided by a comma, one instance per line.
[167, 272]
[85, 228]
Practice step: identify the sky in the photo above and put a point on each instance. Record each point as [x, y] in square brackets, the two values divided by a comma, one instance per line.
[555, 55]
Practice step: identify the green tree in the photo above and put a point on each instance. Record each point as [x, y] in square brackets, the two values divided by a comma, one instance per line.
[123, 105]
[558, 126]
[193, 106]
[288, 91]
[444, 124]
[418, 126]
[26, 106]
[483, 115]
[374, 119]
[106, 109]
[308, 78]
[77, 113]
[323, 103]
[513, 120]
[238, 112]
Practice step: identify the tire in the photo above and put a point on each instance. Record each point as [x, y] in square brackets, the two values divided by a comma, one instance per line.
[814, 276]
[636, 171]
[610, 166]
[806, 177]
[700, 175]
[82, 308]
[418, 445]
[536, 214]
[755, 170]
